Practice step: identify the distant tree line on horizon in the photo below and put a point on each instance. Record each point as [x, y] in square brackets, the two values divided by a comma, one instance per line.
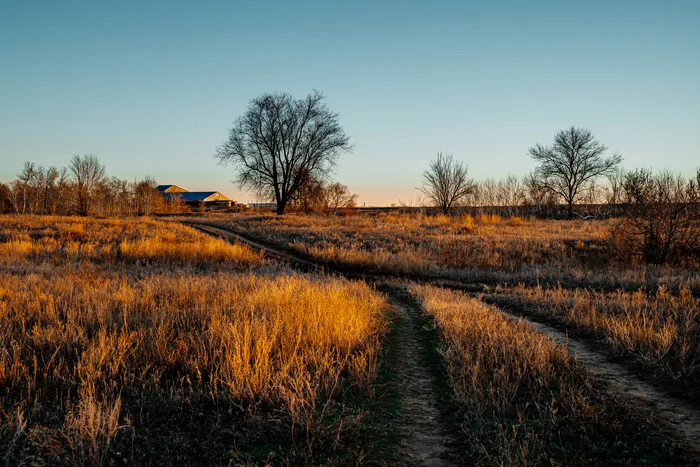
[660, 212]
[83, 188]
[567, 177]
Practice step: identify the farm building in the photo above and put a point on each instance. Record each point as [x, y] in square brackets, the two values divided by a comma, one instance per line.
[195, 198]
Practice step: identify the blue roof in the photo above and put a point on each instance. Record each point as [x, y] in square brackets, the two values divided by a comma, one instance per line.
[191, 195]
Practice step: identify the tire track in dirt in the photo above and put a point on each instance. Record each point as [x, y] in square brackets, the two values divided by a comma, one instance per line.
[680, 417]
[426, 438]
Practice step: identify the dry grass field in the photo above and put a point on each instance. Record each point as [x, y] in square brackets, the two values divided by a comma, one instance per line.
[486, 249]
[558, 269]
[525, 399]
[146, 342]
[133, 341]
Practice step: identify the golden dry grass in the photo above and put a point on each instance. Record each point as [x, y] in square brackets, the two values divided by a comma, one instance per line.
[661, 329]
[525, 401]
[59, 240]
[486, 249]
[92, 341]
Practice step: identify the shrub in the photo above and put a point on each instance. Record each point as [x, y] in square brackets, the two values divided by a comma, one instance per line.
[662, 222]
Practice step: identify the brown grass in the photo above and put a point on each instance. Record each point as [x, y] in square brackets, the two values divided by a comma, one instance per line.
[60, 240]
[487, 249]
[662, 330]
[525, 401]
[99, 349]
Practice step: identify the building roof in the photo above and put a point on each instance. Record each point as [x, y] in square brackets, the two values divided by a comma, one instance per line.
[197, 196]
[170, 189]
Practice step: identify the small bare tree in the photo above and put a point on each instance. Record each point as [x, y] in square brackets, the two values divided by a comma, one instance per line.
[571, 164]
[338, 196]
[88, 173]
[310, 197]
[445, 183]
[613, 191]
[147, 197]
[174, 204]
[5, 203]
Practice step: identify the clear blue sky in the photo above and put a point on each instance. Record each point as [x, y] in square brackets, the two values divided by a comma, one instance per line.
[152, 87]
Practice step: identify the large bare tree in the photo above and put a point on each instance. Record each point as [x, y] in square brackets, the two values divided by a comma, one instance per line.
[280, 142]
[445, 183]
[571, 164]
[87, 173]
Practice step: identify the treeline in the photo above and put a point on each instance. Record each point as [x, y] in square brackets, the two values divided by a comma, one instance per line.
[82, 188]
[659, 213]
[621, 196]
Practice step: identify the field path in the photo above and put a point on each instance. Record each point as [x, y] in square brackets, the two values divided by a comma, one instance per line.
[412, 369]
[679, 417]
[425, 438]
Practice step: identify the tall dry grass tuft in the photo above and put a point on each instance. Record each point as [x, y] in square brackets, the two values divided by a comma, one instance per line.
[90, 428]
[487, 219]
[524, 400]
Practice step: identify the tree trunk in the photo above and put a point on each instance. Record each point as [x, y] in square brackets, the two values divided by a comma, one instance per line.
[281, 204]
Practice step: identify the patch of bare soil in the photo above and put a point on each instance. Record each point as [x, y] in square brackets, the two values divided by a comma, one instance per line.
[425, 438]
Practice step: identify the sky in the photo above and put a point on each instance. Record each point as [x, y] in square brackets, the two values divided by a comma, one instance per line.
[152, 87]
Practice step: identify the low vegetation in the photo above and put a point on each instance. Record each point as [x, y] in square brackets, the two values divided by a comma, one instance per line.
[526, 401]
[111, 329]
[660, 330]
[486, 248]
[116, 349]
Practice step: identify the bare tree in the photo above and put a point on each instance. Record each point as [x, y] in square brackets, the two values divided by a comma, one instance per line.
[175, 204]
[571, 163]
[148, 199]
[338, 196]
[613, 191]
[510, 194]
[27, 189]
[310, 197]
[445, 183]
[280, 141]
[15, 196]
[88, 173]
[486, 194]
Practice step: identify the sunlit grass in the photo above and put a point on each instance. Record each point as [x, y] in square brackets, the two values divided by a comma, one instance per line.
[661, 329]
[101, 321]
[524, 400]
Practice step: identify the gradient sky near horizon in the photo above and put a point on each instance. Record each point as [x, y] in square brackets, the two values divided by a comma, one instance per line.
[152, 87]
